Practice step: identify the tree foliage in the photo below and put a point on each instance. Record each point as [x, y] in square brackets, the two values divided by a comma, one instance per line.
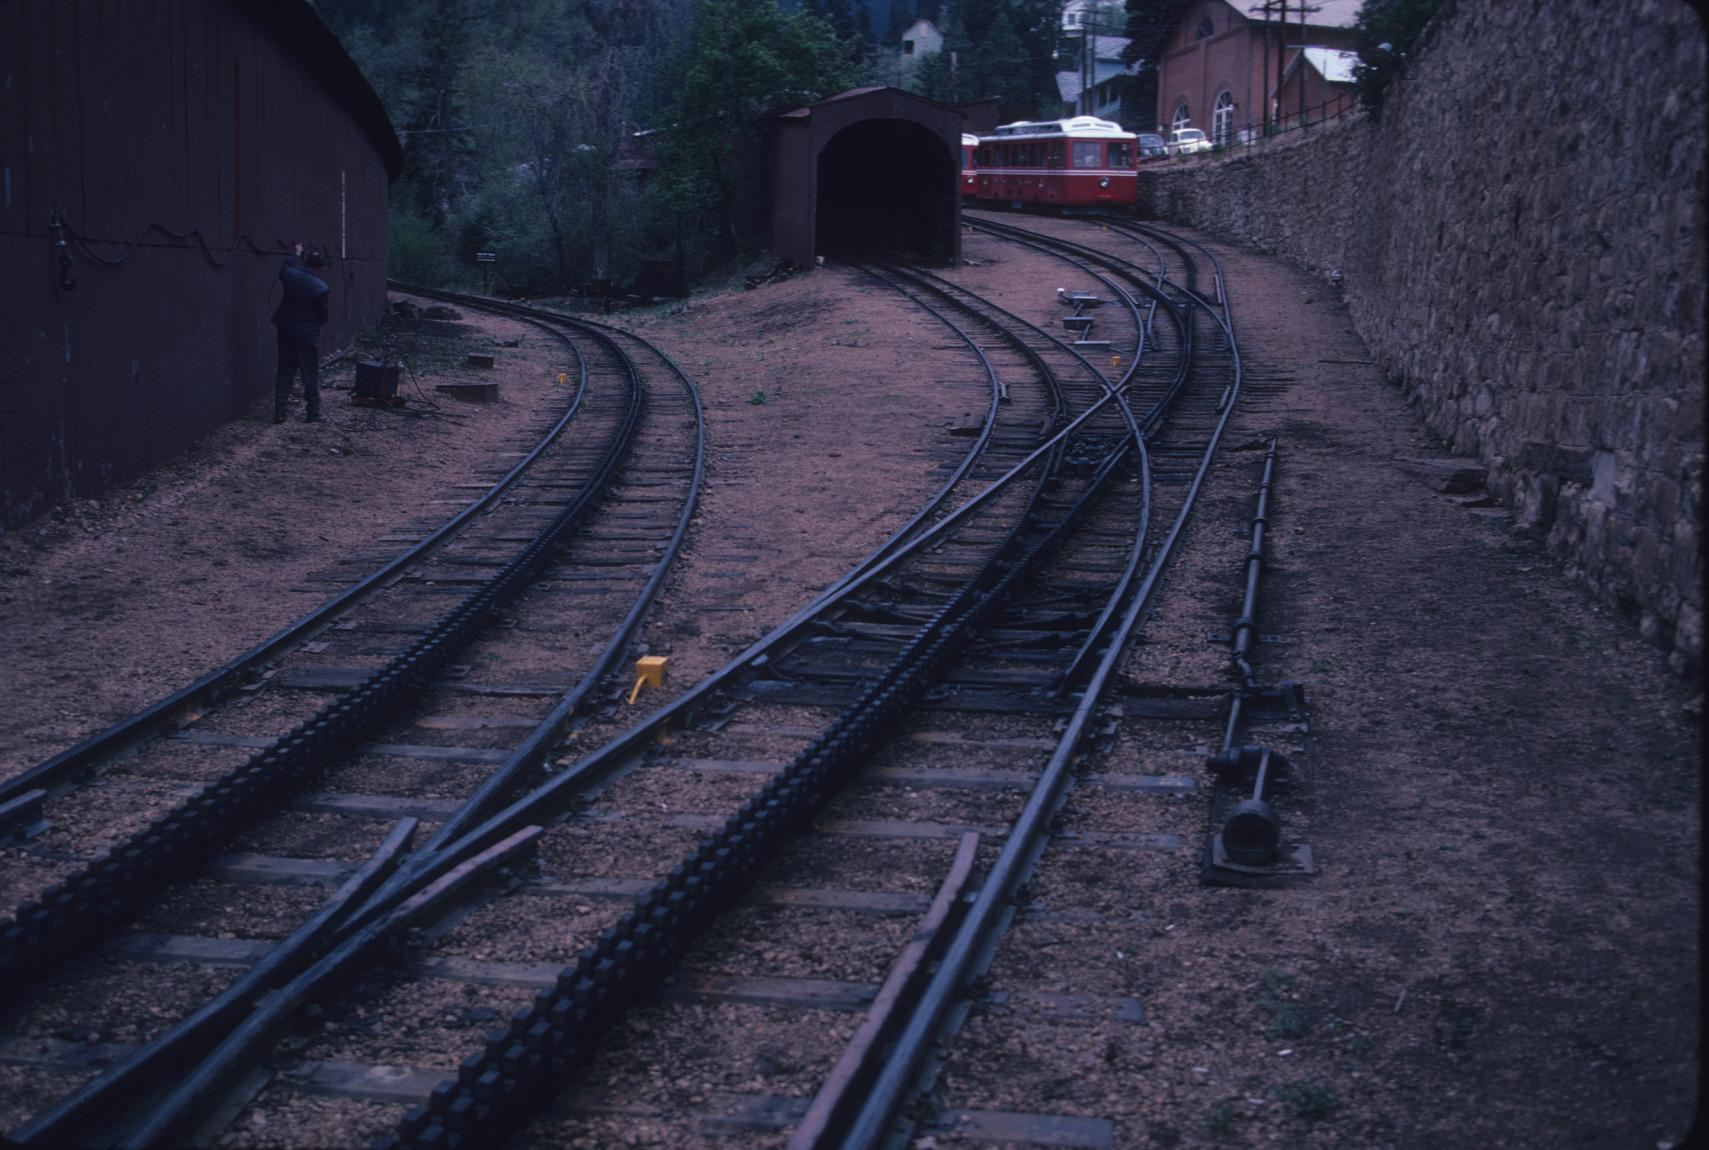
[1383, 34]
[746, 59]
[1002, 49]
[1149, 24]
[531, 127]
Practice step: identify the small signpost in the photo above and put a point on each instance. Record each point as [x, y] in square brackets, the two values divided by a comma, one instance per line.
[486, 272]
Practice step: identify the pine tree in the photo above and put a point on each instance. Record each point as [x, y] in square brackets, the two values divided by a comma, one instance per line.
[746, 59]
[902, 18]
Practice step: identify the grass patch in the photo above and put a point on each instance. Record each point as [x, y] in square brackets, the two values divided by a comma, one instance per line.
[1220, 1121]
[1310, 1100]
[1290, 1020]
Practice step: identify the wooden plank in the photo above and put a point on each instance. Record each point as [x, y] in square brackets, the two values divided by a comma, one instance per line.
[843, 1088]
[156, 947]
[818, 898]
[1056, 1130]
[277, 870]
[375, 806]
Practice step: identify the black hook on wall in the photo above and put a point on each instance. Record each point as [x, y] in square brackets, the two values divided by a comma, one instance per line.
[57, 226]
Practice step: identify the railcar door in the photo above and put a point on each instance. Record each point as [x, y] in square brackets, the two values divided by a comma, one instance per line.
[1121, 160]
[1088, 159]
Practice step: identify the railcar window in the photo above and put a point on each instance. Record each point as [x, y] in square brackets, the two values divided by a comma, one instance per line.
[1086, 153]
[1055, 156]
[1121, 154]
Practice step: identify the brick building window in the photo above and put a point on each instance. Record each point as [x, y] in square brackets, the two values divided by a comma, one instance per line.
[1222, 118]
[1181, 118]
[1205, 30]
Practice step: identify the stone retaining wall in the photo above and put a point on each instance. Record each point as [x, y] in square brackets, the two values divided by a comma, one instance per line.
[1521, 238]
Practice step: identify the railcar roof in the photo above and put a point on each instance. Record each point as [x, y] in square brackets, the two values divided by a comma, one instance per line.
[1076, 126]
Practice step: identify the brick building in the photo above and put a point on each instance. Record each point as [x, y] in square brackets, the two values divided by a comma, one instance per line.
[1231, 65]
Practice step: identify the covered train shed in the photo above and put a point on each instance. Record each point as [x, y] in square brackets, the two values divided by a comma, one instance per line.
[870, 169]
[157, 159]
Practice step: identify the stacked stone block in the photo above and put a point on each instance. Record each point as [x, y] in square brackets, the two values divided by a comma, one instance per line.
[1521, 237]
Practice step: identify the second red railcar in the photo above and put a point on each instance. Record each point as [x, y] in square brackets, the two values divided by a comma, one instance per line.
[1079, 162]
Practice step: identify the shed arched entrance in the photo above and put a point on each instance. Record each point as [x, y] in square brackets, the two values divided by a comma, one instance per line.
[872, 170]
[886, 186]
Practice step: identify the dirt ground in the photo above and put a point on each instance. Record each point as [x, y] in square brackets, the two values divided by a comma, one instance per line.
[1502, 782]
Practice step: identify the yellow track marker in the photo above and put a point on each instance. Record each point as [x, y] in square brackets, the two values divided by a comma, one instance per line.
[649, 672]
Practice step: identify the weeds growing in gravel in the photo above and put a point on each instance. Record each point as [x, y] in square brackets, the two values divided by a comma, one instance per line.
[1310, 1100]
[1290, 1020]
[1287, 1019]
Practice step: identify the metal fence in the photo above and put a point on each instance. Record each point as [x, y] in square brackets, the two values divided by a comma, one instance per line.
[1287, 122]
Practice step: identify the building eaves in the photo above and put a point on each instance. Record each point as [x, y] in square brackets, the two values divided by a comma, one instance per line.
[300, 28]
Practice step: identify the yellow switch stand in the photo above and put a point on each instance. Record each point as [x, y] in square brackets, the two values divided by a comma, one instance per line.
[649, 672]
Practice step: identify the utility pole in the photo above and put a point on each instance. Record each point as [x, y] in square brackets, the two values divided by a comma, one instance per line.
[1279, 9]
[1303, 11]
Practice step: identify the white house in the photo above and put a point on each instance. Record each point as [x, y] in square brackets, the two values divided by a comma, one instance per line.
[1087, 67]
[922, 39]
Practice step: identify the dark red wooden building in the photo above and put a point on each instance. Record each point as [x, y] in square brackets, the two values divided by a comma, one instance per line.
[868, 169]
[156, 159]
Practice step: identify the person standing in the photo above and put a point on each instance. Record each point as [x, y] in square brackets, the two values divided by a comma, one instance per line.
[299, 317]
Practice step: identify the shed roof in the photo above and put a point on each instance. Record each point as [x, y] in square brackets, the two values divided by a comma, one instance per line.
[1333, 65]
[884, 91]
[299, 26]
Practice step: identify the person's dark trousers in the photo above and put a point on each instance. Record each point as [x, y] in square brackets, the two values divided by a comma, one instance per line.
[294, 353]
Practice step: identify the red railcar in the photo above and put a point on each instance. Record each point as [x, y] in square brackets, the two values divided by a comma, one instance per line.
[1078, 162]
[969, 143]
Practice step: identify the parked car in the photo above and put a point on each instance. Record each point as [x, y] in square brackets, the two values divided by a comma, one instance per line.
[1151, 145]
[1187, 140]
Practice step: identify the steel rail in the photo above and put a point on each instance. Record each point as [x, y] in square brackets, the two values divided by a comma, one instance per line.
[354, 943]
[192, 1038]
[74, 908]
[1067, 250]
[359, 925]
[75, 1118]
[525, 1064]
[215, 684]
[977, 932]
[1056, 246]
[948, 290]
[539, 803]
[543, 1042]
[358, 939]
[1098, 632]
[534, 750]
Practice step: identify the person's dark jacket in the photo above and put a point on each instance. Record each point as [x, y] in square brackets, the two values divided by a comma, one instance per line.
[303, 308]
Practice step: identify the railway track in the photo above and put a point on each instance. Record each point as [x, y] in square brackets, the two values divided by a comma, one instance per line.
[758, 909]
[590, 511]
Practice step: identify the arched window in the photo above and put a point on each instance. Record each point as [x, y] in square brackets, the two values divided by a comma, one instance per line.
[1180, 119]
[1222, 118]
[1205, 30]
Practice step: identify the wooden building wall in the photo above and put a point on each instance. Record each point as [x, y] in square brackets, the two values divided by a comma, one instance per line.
[216, 132]
[796, 140]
